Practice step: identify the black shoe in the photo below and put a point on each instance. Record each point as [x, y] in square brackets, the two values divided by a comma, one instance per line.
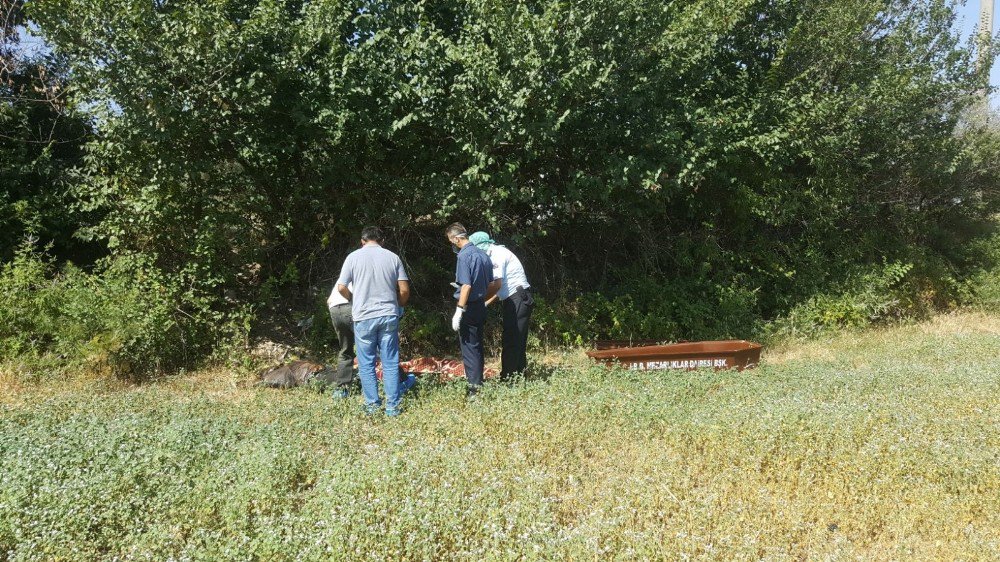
[472, 392]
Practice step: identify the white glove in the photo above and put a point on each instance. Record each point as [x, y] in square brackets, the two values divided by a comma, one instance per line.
[457, 318]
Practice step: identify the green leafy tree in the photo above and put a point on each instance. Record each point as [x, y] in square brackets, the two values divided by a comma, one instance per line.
[754, 151]
[41, 137]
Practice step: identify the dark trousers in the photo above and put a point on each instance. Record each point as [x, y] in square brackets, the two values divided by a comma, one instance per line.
[516, 318]
[344, 326]
[470, 338]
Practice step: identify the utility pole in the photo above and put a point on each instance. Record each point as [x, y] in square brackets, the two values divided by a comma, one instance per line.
[985, 46]
[985, 28]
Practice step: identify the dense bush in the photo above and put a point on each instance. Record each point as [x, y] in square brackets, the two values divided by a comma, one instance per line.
[982, 287]
[650, 308]
[868, 298]
[124, 317]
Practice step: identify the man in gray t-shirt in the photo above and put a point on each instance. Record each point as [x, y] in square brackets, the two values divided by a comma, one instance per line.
[380, 289]
[379, 282]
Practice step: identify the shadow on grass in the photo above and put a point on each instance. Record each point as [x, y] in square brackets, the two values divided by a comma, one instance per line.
[538, 372]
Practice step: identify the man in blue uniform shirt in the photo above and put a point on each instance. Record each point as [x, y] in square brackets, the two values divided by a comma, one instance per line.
[474, 277]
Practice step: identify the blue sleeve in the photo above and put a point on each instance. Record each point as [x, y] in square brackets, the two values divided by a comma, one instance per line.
[487, 271]
[463, 272]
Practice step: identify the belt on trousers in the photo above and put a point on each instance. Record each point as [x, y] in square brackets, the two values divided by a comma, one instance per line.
[520, 290]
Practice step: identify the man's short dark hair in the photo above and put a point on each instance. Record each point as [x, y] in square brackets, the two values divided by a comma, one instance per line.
[371, 234]
[457, 230]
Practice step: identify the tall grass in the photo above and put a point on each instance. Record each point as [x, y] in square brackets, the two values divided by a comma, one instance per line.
[874, 445]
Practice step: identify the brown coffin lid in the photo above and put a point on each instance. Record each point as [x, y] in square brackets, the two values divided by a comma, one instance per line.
[616, 344]
[691, 349]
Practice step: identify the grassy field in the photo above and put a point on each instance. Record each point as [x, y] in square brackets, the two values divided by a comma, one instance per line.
[879, 445]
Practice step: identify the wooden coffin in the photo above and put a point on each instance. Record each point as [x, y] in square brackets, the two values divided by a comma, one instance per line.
[729, 354]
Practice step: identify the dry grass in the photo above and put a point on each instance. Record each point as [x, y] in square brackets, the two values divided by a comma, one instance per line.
[832, 346]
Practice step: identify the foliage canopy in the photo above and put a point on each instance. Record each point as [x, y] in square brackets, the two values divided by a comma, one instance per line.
[739, 154]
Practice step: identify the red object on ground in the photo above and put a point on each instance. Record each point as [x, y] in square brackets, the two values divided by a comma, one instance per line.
[732, 354]
[446, 369]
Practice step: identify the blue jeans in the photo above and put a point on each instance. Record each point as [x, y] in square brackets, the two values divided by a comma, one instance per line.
[378, 337]
[470, 340]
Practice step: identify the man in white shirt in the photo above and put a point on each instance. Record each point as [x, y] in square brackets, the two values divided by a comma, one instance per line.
[517, 303]
[343, 324]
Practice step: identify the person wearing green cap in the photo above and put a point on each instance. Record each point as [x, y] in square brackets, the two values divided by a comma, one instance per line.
[474, 285]
[517, 303]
